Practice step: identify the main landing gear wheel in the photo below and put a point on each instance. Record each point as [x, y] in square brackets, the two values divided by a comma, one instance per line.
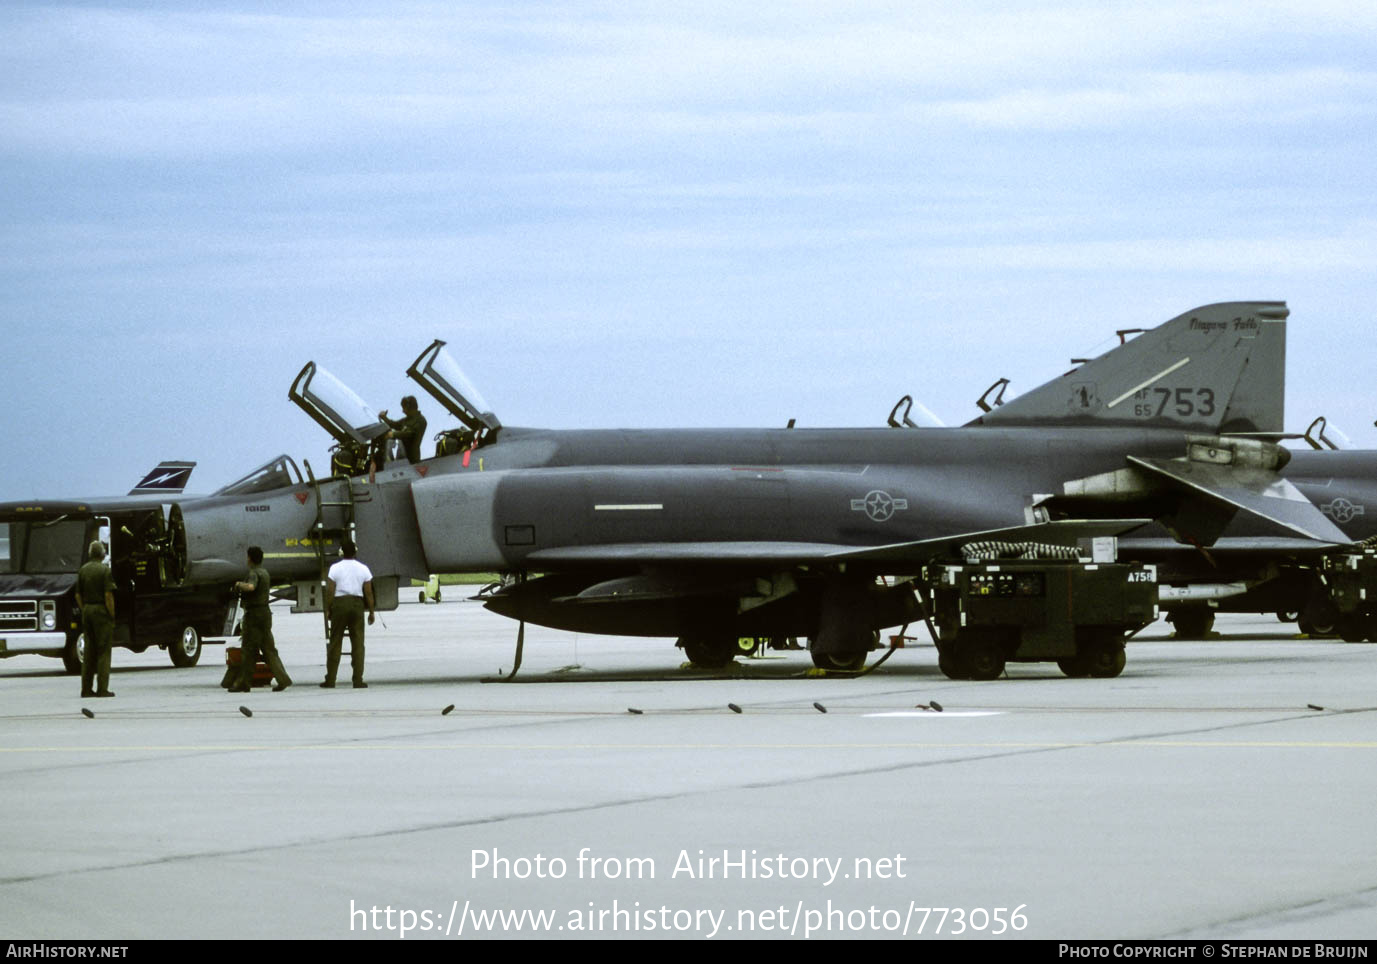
[709, 652]
[1315, 627]
[846, 654]
[846, 662]
[73, 653]
[1193, 623]
[186, 651]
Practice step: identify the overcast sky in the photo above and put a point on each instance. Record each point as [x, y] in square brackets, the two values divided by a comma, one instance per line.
[652, 214]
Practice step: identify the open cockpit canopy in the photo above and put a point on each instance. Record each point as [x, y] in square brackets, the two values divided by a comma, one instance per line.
[335, 407]
[440, 375]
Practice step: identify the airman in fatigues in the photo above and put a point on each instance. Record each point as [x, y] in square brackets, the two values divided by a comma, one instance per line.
[410, 429]
[95, 597]
[258, 627]
[348, 589]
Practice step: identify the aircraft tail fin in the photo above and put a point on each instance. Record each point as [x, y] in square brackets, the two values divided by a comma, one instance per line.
[168, 478]
[1218, 369]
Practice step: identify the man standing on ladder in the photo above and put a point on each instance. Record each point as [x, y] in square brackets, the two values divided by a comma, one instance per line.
[348, 588]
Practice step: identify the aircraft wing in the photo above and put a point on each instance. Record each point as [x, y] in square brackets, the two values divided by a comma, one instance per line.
[1061, 533]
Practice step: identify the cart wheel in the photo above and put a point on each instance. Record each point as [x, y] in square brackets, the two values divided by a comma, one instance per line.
[1073, 667]
[187, 650]
[984, 659]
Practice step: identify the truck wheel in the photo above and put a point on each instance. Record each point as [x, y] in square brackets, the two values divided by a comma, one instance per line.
[187, 650]
[1313, 627]
[1287, 616]
[73, 652]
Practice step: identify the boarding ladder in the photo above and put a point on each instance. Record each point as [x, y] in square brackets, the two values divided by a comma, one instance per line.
[322, 528]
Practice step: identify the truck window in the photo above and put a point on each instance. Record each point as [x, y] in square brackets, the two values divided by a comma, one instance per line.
[55, 546]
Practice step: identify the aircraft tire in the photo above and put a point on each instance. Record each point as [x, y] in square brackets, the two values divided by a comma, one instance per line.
[846, 662]
[708, 651]
[1313, 627]
[186, 650]
[423, 596]
[72, 653]
[1287, 616]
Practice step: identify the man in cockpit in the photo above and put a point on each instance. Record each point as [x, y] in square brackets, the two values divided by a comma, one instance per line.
[410, 429]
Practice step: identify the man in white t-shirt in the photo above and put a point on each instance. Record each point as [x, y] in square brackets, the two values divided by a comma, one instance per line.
[348, 589]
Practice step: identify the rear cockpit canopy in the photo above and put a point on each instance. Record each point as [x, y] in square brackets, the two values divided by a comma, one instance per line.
[440, 375]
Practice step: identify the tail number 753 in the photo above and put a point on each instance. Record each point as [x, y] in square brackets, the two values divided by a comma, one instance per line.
[1184, 402]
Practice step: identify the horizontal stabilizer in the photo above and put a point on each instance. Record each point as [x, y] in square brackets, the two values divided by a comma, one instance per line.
[1257, 491]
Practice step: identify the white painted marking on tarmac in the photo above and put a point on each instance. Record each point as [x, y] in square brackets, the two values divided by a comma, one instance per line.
[629, 507]
[933, 714]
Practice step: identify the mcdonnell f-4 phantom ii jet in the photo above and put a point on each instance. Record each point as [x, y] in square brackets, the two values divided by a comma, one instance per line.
[1252, 567]
[710, 535]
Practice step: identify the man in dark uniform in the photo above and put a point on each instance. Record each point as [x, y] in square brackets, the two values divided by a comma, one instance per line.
[410, 430]
[95, 598]
[258, 627]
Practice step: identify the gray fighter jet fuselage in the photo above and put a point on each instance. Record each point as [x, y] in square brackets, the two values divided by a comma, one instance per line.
[711, 534]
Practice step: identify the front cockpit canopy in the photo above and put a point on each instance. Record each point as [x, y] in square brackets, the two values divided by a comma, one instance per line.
[335, 407]
[440, 375]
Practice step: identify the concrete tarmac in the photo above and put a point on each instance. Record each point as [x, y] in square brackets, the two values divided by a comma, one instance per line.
[1217, 789]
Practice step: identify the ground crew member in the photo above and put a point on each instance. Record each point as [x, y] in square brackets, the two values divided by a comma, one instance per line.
[95, 599]
[410, 429]
[347, 590]
[257, 630]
